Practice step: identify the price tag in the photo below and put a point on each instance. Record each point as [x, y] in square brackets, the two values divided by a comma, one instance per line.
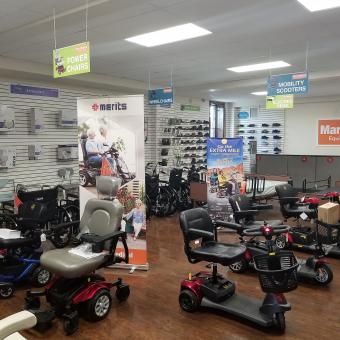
[43, 237]
[304, 216]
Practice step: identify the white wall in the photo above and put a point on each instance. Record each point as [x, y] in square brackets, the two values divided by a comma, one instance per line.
[301, 126]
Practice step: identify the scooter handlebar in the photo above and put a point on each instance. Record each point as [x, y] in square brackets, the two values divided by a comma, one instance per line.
[261, 231]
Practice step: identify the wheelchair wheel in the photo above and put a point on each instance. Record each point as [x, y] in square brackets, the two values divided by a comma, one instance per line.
[84, 179]
[6, 292]
[99, 306]
[41, 277]
[61, 238]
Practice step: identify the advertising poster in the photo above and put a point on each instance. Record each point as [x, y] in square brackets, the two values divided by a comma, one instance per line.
[111, 143]
[225, 174]
[329, 132]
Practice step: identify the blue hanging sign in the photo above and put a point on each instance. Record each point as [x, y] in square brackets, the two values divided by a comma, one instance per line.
[243, 115]
[34, 91]
[161, 96]
[295, 83]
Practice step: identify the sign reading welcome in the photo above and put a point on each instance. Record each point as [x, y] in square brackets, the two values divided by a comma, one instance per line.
[71, 60]
[329, 132]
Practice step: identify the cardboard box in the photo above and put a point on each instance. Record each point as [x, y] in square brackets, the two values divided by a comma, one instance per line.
[329, 213]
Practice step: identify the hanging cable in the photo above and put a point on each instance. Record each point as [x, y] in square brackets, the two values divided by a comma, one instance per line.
[54, 30]
[307, 55]
[86, 17]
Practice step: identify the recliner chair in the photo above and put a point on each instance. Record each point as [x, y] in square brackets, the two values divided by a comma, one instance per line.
[76, 283]
[290, 204]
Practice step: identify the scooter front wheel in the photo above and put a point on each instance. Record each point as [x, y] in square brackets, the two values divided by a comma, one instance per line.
[188, 301]
[239, 267]
[281, 242]
[280, 322]
[324, 274]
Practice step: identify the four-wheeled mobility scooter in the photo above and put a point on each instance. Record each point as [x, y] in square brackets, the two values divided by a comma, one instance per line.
[76, 288]
[20, 259]
[277, 272]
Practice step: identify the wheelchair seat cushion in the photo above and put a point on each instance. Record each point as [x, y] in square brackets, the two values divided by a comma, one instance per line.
[222, 253]
[64, 264]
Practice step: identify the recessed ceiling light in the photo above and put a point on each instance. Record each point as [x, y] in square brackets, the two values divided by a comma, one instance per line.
[259, 67]
[319, 5]
[260, 93]
[212, 90]
[169, 35]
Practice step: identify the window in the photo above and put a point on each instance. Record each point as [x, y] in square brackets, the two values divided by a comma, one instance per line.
[217, 120]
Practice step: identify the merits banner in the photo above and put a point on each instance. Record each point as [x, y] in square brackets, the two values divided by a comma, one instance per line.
[111, 143]
[71, 60]
[283, 84]
[225, 174]
[329, 131]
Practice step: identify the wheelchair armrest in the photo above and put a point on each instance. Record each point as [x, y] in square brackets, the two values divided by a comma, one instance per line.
[17, 322]
[93, 238]
[201, 233]
[262, 206]
[63, 225]
[230, 225]
[245, 213]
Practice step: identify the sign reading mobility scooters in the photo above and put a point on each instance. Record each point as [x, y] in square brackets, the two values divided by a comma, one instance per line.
[111, 143]
[225, 174]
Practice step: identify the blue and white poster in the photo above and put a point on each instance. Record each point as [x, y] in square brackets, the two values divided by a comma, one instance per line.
[295, 83]
[161, 96]
[225, 174]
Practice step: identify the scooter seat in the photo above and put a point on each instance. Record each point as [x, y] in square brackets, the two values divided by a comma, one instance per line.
[64, 264]
[15, 242]
[222, 253]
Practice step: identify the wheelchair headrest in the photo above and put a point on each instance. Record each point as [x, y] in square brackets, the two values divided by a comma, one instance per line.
[108, 185]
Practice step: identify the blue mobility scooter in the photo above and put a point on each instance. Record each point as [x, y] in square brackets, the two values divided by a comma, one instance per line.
[20, 261]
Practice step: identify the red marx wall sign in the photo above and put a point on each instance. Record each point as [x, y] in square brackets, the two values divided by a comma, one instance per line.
[329, 132]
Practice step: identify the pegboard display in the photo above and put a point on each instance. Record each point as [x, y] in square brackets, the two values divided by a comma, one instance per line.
[266, 127]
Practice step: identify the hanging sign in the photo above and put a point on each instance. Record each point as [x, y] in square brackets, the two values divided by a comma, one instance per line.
[243, 115]
[161, 96]
[295, 83]
[194, 108]
[33, 91]
[225, 174]
[71, 60]
[329, 132]
[280, 102]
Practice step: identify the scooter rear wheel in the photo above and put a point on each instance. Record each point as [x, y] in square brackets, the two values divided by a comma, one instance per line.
[280, 322]
[281, 242]
[188, 301]
[6, 292]
[239, 267]
[324, 274]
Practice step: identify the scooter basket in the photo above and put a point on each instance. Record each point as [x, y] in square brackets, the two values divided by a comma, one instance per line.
[326, 234]
[277, 272]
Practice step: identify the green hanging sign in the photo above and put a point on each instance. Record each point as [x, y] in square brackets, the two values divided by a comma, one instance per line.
[71, 60]
[280, 102]
[194, 108]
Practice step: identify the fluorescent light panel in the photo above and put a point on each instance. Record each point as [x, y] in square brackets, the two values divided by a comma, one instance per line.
[169, 35]
[319, 5]
[259, 67]
[260, 93]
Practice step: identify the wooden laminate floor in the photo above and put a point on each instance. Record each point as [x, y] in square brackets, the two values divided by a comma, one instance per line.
[152, 311]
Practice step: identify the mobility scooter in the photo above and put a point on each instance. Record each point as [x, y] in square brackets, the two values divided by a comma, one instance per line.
[277, 272]
[76, 288]
[315, 269]
[88, 171]
[324, 237]
[20, 259]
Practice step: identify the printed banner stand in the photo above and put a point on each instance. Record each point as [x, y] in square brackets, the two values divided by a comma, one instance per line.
[329, 132]
[71, 60]
[225, 174]
[116, 125]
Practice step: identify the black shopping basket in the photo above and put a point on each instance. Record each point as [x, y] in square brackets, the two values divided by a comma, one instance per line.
[277, 272]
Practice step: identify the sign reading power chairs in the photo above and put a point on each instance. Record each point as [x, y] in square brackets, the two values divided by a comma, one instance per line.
[329, 132]
[280, 102]
[284, 84]
[161, 96]
[71, 60]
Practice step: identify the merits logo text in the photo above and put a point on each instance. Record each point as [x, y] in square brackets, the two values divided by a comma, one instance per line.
[109, 107]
